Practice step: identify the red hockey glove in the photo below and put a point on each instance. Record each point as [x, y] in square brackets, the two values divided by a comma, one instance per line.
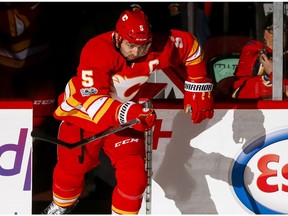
[131, 110]
[198, 99]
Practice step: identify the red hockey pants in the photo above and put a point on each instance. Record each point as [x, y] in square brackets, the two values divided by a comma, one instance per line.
[126, 150]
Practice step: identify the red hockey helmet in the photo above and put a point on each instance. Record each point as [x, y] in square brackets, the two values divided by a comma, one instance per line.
[134, 27]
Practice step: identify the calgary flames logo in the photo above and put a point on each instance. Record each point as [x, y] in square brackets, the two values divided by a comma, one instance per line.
[125, 88]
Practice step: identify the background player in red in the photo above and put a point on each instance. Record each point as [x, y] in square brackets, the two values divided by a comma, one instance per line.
[254, 70]
[113, 67]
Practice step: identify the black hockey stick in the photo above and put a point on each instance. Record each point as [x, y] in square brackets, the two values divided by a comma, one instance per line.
[40, 135]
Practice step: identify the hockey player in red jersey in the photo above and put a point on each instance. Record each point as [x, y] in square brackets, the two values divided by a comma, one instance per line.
[113, 67]
[254, 71]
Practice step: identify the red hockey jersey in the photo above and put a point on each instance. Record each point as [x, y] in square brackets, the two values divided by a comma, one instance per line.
[251, 79]
[105, 79]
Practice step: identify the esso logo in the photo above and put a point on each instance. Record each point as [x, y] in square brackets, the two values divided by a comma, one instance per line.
[260, 174]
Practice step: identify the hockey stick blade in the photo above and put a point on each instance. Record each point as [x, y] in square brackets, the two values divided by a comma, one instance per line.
[40, 135]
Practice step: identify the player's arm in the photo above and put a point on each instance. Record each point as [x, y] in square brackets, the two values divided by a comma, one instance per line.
[95, 112]
[252, 87]
[252, 79]
[198, 87]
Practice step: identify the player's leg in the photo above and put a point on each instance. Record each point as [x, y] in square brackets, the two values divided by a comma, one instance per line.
[69, 172]
[126, 150]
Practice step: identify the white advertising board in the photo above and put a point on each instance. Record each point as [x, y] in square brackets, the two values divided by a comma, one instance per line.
[15, 157]
[235, 163]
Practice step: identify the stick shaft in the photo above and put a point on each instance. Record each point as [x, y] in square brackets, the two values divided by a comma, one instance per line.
[40, 135]
[148, 164]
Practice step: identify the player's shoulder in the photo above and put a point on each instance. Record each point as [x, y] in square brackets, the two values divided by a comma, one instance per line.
[254, 44]
[105, 39]
[179, 32]
[186, 37]
[100, 46]
[167, 38]
[251, 48]
[172, 33]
